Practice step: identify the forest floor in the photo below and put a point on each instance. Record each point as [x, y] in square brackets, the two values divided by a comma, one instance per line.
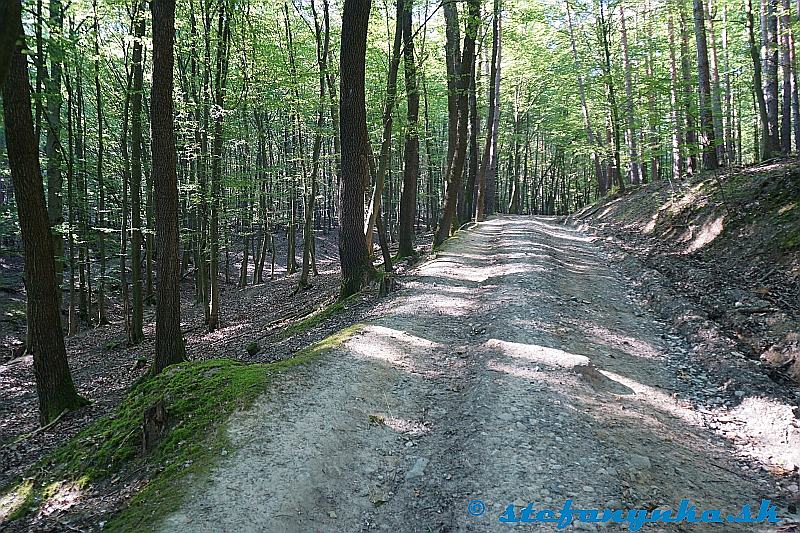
[519, 364]
[104, 366]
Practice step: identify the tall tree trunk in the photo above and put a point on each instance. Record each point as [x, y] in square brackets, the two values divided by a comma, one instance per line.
[322, 36]
[482, 198]
[456, 169]
[54, 385]
[769, 57]
[101, 187]
[386, 139]
[170, 348]
[408, 198]
[716, 90]
[221, 74]
[604, 23]
[53, 147]
[786, 70]
[587, 123]
[635, 175]
[766, 146]
[137, 334]
[677, 137]
[353, 253]
[453, 58]
[689, 95]
[707, 138]
[492, 198]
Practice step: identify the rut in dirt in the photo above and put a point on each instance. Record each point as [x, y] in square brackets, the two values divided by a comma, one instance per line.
[516, 366]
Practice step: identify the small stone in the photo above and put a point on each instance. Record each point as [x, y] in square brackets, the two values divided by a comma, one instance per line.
[639, 461]
[739, 393]
[793, 488]
[332, 514]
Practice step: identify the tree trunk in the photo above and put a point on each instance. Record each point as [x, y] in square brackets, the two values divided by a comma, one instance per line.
[452, 57]
[136, 178]
[707, 138]
[766, 146]
[54, 385]
[353, 253]
[53, 147]
[677, 137]
[769, 57]
[408, 198]
[455, 169]
[101, 188]
[386, 139]
[635, 175]
[587, 123]
[482, 199]
[221, 65]
[169, 340]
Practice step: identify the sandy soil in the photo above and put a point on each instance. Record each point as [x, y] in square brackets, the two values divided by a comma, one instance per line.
[515, 366]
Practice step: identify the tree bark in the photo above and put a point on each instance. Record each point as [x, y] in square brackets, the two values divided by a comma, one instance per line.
[408, 198]
[137, 320]
[635, 175]
[456, 168]
[707, 137]
[353, 253]
[169, 340]
[54, 386]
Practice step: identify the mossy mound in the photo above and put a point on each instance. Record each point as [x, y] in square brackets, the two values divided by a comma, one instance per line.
[198, 396]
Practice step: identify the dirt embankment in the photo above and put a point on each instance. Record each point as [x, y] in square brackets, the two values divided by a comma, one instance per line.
[722, 260]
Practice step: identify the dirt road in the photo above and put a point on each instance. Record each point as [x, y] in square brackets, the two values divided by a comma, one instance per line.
[514, 367]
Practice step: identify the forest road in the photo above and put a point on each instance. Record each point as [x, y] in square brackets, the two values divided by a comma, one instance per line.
[516, 366]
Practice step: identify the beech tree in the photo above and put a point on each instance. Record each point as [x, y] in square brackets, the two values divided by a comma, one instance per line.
[54, 386]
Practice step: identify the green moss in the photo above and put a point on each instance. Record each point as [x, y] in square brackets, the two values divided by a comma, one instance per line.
[252, 347]
[199, 397]
[16, 502]
[315, 317]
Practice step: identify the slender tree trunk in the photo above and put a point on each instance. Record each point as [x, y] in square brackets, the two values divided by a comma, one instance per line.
[707, 138]
[587, 123]
[408, 199]
[482, 198]
[101, 188]
[137, 334]
[766, 146]
[689, 95]
[386, 142]
[716, 90]
[322, 36]
[677, 137]
[53, 148]
[221, 74]
[635, 175]
[786, 70]
[769, 58]
[453, 58]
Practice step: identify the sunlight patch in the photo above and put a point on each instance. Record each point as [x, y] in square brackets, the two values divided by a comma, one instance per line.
[539, 354]
[15, 499]
[708, 232]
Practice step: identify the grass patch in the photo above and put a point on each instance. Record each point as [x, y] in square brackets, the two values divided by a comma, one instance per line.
[199, 397]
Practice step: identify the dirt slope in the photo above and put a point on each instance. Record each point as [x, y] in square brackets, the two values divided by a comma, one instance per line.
[516, 366]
